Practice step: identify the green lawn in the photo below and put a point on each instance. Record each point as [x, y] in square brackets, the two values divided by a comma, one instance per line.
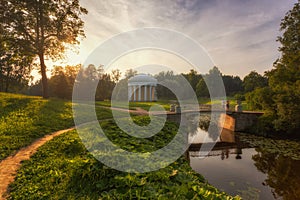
[135, 105]
[23, 119]
[63, 169]
[166, 104]
[232, 102]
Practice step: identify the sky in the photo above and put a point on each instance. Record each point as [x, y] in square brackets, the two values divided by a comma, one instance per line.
[238, 35]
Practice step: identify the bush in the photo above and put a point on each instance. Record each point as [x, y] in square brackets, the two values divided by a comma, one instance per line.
[264, 125]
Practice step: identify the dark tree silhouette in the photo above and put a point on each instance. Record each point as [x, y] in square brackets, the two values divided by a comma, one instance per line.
[44, 26]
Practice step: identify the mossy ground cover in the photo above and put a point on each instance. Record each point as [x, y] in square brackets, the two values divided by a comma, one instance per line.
[63, 169]
[286, 148]
[26, 118]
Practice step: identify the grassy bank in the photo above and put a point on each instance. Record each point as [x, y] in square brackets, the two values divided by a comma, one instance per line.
[63, 169]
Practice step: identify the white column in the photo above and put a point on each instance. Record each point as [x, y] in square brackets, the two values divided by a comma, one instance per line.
[129, 93]
[140, 89]
[154, 94]
[150, 92]
[134, 92]
[145, 93]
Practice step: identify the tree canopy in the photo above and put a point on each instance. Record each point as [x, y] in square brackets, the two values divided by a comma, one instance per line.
[254, 80]
[284, 79]
[15, 64]
[43, 27]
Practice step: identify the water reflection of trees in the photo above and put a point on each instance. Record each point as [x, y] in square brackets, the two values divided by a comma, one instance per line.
[283, 174]
[209, 123]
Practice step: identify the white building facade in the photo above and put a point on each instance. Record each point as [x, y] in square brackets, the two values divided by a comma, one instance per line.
[142, 87]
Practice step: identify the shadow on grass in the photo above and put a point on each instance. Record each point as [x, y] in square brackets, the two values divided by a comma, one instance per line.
[53, 115]
[28, 119]
[13, 104]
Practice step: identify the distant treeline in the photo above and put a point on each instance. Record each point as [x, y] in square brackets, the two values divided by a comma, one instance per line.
[62, 81]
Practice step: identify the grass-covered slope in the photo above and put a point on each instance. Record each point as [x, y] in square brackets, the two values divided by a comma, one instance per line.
[26, 118]
[63, 169]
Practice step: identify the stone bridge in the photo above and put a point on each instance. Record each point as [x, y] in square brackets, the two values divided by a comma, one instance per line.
[239, 121]
[234, 121]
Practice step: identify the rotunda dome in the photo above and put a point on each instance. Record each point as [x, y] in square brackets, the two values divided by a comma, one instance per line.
[142, 78]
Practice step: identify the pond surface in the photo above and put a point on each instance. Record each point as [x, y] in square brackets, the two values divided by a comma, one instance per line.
[271, 170]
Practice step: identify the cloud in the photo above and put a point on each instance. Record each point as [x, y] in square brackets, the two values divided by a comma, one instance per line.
[240, 35]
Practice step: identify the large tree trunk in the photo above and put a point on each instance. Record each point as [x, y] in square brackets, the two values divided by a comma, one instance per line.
[40, 42]
[1, 79]
[7, 81]
[7, 85]
[44, 77]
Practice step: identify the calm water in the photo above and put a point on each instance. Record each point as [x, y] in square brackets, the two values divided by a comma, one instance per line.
[251, 173]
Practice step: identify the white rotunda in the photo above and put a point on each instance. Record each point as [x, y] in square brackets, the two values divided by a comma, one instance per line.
[142, 88]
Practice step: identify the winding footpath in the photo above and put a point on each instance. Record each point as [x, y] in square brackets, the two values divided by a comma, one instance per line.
[10, 165]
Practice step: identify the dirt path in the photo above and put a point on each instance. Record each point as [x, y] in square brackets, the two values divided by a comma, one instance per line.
[10, 165]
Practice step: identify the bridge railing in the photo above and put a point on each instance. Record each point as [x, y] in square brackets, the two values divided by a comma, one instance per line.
[204, 107]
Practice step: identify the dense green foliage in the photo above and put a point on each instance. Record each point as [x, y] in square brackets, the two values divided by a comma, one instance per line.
[163, 92]
[200, 83]
[254, 80]
[261, 99]
[63, 169]
[134, 144]
[280, 99]
[62, 81]
[15, 64]
[193, 78]
[285, 78]
[233, 85]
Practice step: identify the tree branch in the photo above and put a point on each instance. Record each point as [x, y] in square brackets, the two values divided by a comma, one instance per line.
[50, 35]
